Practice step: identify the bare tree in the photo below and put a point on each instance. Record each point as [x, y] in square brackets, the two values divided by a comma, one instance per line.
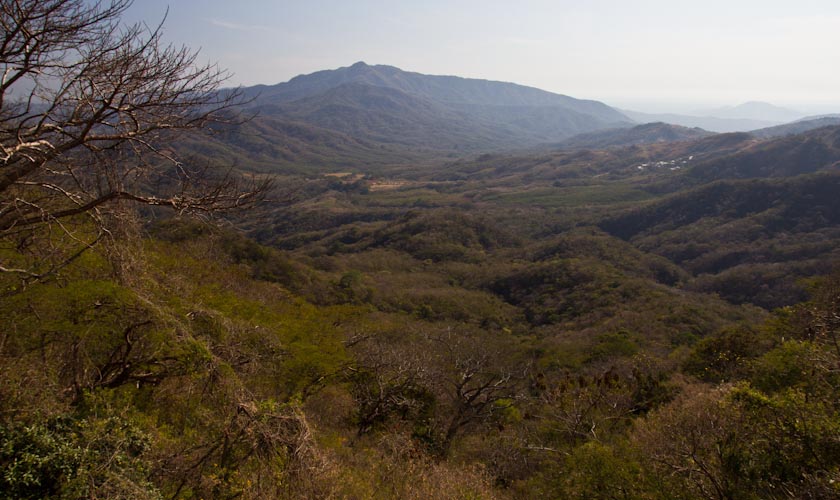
[388, 380]
[444, 383]
[87, 107]
[477, 380]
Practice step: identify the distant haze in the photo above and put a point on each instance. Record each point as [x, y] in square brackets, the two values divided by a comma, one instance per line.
[648, 55]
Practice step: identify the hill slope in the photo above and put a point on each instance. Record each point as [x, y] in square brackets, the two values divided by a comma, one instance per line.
[648, 133]
[444, 114]
[810, 152]
[743, 239]
[389, 116]
[796, 127]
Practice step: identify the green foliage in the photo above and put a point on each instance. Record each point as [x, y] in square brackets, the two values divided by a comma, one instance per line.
[789, 365]
[748, 241]
[595, 471]
[79, 308]
[772, 438]
[579, 196]
[71, 458]
[726, 355]
[793, 434]
[616, 344]
[442, 236]
[476, 331]
[352, 288]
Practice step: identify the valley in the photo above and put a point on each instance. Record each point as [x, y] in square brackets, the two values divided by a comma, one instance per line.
[370, 283]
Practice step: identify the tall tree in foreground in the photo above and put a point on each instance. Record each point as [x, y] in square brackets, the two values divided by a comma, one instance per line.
[87, 105]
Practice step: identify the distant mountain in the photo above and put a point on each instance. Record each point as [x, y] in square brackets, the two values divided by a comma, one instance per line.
[817, 117]
[796, 127]
[444, 114]
[711, 123]
[649, 133]
[442, 89]
[759, 111]
[742, 118]
[389, 116]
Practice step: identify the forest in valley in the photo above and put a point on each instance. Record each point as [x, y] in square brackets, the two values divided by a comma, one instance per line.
[622, 317]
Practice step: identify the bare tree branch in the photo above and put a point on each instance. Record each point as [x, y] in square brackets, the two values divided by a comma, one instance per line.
[86, 104]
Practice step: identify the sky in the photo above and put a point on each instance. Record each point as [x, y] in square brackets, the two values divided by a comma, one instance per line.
[646, 55]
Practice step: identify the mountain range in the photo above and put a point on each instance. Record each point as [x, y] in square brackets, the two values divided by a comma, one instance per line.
[711, 123]
[377, 115]
[411, 320]
[386, 106]
[797, 127]
[742, 118]
[753, 110]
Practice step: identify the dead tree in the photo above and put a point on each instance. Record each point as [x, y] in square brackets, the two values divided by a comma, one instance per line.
[88, 107]
[477, 381]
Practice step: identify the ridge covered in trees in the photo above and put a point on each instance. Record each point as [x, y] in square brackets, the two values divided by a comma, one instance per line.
[655, 321]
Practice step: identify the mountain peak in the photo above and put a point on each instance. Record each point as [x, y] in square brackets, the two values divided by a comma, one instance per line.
[448, 89]
[385, 103]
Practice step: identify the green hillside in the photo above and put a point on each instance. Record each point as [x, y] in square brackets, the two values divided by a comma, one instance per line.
[367, 283]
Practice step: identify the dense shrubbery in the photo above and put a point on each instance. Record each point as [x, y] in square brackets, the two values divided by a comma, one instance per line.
[202, 376]
[489, 337]
[536, 361]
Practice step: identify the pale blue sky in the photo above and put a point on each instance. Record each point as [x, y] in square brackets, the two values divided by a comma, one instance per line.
[649, 54]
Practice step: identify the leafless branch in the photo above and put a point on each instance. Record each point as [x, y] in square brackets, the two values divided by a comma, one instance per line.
[87, 106]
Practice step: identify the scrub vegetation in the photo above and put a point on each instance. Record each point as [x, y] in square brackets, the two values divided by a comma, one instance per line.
[546, 324]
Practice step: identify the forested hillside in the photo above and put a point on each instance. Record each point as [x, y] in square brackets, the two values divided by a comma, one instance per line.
[186, 317]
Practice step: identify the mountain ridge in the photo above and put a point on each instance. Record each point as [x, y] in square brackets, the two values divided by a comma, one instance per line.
[754, 110]
[445, 88]
[647, 133]
[442, 115]
[711, 123]
[797, 127]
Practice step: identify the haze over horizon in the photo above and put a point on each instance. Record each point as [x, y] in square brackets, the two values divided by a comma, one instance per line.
[653, 56]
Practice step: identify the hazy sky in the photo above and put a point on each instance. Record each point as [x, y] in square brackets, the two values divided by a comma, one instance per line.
[652, 55]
